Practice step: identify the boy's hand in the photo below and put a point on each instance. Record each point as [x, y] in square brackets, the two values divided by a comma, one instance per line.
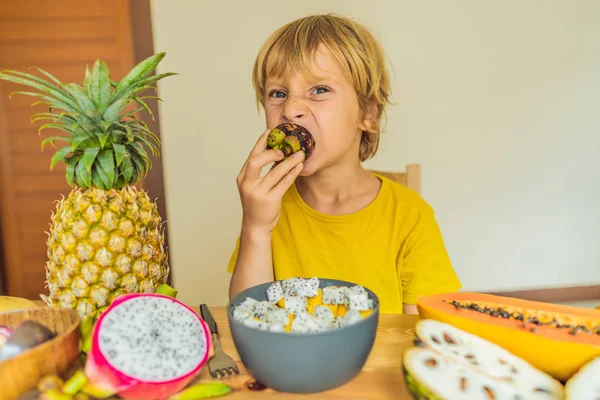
[261, 197]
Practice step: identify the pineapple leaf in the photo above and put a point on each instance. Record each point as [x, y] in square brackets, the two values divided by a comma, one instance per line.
[45, 116]
[54, 139]
[59, 156]
[130, 113]
[103, 138]
[150, 145]
[145, 106]
[89, 155]
[118, 136]
[107, 183]
[113, 112]
[140, 151]
[49, 75]
[127, 169]
[46, 88]
[120, 152]
[54, 103]
[71, 163]
[87, 82]
[107, 165]
[141, 165]
[56, 126]
[140, 71]
[128, 131]
[78, 141]
[80, 96]
[97, 179]
[101, 86]
[82, 175]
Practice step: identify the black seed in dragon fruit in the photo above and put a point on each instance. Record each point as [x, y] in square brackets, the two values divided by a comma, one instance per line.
[147, 346]
[248, 304]
[261, 309]
[278, 315]
[296, 304]
[305, 323]
[242, 315]
[357, 301]
[275, 292]
[308, 287]
[324, 314]
[290, 286]
[334, 295]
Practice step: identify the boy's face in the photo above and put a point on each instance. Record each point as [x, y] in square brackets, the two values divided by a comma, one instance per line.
[328, 107]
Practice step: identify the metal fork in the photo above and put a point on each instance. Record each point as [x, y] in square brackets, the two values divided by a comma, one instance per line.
[221, 365]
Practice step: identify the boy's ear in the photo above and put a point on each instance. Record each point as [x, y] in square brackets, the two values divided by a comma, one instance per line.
[369, 118]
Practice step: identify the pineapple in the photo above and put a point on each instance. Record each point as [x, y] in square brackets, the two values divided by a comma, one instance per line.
[106, 237]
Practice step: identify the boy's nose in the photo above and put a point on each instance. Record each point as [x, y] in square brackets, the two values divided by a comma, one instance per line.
[294, 110]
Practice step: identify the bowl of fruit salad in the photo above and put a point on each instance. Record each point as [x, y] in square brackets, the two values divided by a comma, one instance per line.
[304, 335]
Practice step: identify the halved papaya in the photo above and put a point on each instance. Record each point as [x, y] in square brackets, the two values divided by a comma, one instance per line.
[554, 338]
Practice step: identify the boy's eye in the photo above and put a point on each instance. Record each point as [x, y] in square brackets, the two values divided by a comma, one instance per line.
[278, 94]
[321, 89]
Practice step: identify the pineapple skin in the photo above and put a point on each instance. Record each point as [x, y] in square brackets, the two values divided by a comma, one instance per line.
[101, 244]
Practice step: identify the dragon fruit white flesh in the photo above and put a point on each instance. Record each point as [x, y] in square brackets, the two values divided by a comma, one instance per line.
[454, 364]
[147, 345]
[261, 309]
[334, 295]
[308, 287]
[275, 292]
[585, 384]
[296, 304]
[290, 286]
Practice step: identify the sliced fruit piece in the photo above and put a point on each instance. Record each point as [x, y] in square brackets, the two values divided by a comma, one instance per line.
[585, 384]
[540, 333]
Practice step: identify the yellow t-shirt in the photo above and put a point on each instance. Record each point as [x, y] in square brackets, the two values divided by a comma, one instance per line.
[393, 246]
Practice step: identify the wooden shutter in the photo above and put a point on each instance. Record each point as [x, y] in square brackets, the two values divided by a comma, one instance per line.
[60, 37]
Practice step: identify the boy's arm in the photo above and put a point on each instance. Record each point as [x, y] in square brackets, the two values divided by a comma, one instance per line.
[254, 264]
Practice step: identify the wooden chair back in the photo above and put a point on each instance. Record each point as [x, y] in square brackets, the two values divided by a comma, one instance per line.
[410, 178]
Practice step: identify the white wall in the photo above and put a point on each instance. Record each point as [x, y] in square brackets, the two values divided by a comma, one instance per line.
[499, 101]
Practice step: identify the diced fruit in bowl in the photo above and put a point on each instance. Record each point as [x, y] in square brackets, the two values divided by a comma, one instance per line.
[304, 308]
[283, 331]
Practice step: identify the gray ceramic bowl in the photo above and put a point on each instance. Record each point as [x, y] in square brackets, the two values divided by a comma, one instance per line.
[304, 362]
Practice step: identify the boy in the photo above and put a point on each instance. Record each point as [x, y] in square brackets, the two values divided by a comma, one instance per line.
[326, 216]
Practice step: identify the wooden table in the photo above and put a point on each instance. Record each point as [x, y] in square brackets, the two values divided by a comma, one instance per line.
[381, 377]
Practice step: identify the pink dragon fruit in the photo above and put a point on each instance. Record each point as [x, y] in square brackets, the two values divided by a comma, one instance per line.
[147, 345]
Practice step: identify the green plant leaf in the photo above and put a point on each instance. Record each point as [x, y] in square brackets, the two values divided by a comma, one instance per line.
[71, 163]
[101, 86]
[59, 156]
[97, 180]
[145, 106]
[141, 70]
[56, 126]
[82, 175]
[78, 141]
[45, 87]
[113, 112]
[107, 164]
[54, 139]
[54, 103]
[103, 176]
[127, 169]
[80, 95]
[89, 155]
[103, 138]
[120, 152]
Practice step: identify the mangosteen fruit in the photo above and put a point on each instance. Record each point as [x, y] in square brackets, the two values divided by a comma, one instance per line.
[291, 138]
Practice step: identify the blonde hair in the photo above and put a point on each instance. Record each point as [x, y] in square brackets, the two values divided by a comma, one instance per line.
[354, 47]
